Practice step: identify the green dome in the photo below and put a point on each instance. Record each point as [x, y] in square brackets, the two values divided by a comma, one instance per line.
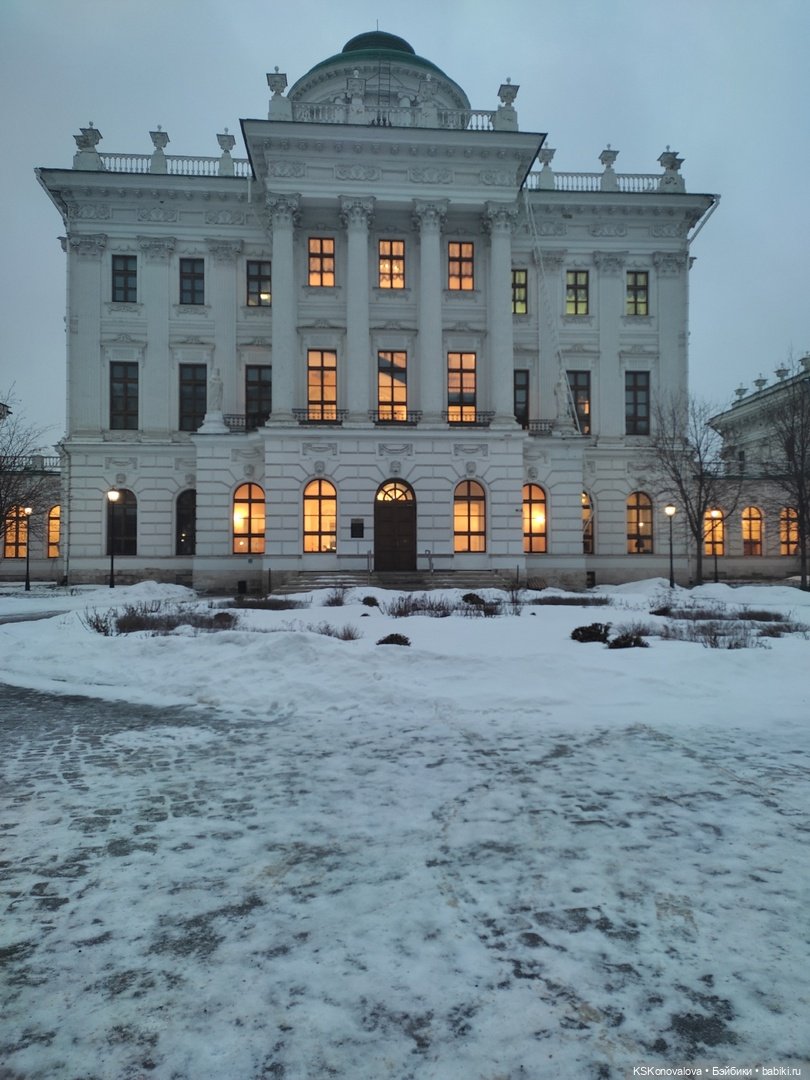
[377, 40]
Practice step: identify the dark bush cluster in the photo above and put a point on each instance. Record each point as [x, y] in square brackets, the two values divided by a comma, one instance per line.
[336, 597]
[370, 601]
[594, 632]
[628, 640]
[571, 601]
[268, 603]
[394, 639]
[438, 607]
[156, 619]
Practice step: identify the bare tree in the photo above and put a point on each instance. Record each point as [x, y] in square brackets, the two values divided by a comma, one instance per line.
[23, 479]
[686, 453]
[786, 455]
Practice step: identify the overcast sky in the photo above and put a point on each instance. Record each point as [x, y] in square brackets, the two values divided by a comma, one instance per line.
[726, 83]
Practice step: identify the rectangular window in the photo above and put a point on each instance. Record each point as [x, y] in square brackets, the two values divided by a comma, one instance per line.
[125, 279]
[193, 395]
[637, 402]
[788, 531]
[54, 523]
[392, 385]
[123, 396]
[580, 383]
[521, 396]
[321, 264]
[259, 293]
[576, 292]
[461, 399]
[391, 264]
[520, 292]
[321, 385]
[460, 266]
[258, 394]
[192, 281]
[638, 293]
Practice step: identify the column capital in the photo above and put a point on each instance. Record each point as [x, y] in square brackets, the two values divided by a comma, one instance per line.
[670, 262]
[157, 248]
[499, 217]
[610, 262]
[283, 209]
[92, 245]
[429, 214]
[356, 211]
[224, 251]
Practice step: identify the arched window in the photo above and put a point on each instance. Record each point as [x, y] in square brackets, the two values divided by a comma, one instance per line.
[15, 541]
[395, 491]
[788, 531]
[639, 524]
[588, 531]
[534, 518]
[122, 524]
[320, 516]
[248, 520]
[752, 530]
[714, 532]
[54, 527]
[185, 523]
[469, 517]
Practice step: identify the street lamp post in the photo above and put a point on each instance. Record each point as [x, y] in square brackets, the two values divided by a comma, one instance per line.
[113, 497]
[671, 511]
[715, 515]
[28, 511]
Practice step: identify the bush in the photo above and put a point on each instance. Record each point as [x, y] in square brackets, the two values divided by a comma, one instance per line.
[594, 632]
[473, 598]
[345, 633]
[394, 639]
[437, 607]
[370, 601]
[156, 619]
[336, 597]
[269, 603]
[628, 640]
[571, 601]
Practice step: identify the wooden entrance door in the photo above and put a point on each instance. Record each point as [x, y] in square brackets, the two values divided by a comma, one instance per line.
[395, 527]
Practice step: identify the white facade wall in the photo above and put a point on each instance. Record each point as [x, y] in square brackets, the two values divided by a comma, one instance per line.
[358, 184]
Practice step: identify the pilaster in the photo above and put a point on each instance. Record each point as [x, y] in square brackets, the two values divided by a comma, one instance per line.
[356, 215]
[284, 212]
[428, 219]
[499, 219]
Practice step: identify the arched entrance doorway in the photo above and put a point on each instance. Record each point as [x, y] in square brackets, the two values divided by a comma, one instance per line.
[394, 527]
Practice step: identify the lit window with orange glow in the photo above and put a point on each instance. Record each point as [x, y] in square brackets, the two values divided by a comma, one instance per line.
[639, 524]
[248, 520]
[320, 516]
[460, 266]
[461, 388]
[714, 532]
[15, 539]
[588, 532]
[469, 517]
[321, 262]
[391, 264]
[788, 531]
[392, 385]
[321, 385]
[54, 522]
[752, 530]
[534, 519]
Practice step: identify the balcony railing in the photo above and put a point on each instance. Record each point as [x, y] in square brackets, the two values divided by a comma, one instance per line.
[321, 414]
[541, 427]
[593, 181]
[463, 418]
[37, 463]
[245, 421]
[386, 416]
[176, 165]
[410, 116]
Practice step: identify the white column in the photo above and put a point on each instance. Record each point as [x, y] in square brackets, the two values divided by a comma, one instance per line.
[499, 219]
[672, 312]
[356, 214]
[283, 216]
[85, 410]
[608, 413]
[432, 363]
[158, 375]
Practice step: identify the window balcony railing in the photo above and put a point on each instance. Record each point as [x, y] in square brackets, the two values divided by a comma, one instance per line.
[541, 427]
[321, 414]
[36, 463]
[463, 417]
[176, 165]
[407, 116]
[245, 421]
[395, 416]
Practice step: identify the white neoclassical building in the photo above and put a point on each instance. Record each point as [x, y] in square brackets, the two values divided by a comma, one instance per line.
[394, 336]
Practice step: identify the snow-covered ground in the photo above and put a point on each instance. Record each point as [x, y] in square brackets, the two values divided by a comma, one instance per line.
[496, 854]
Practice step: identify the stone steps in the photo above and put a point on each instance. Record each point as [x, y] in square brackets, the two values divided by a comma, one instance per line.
[469, 580]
